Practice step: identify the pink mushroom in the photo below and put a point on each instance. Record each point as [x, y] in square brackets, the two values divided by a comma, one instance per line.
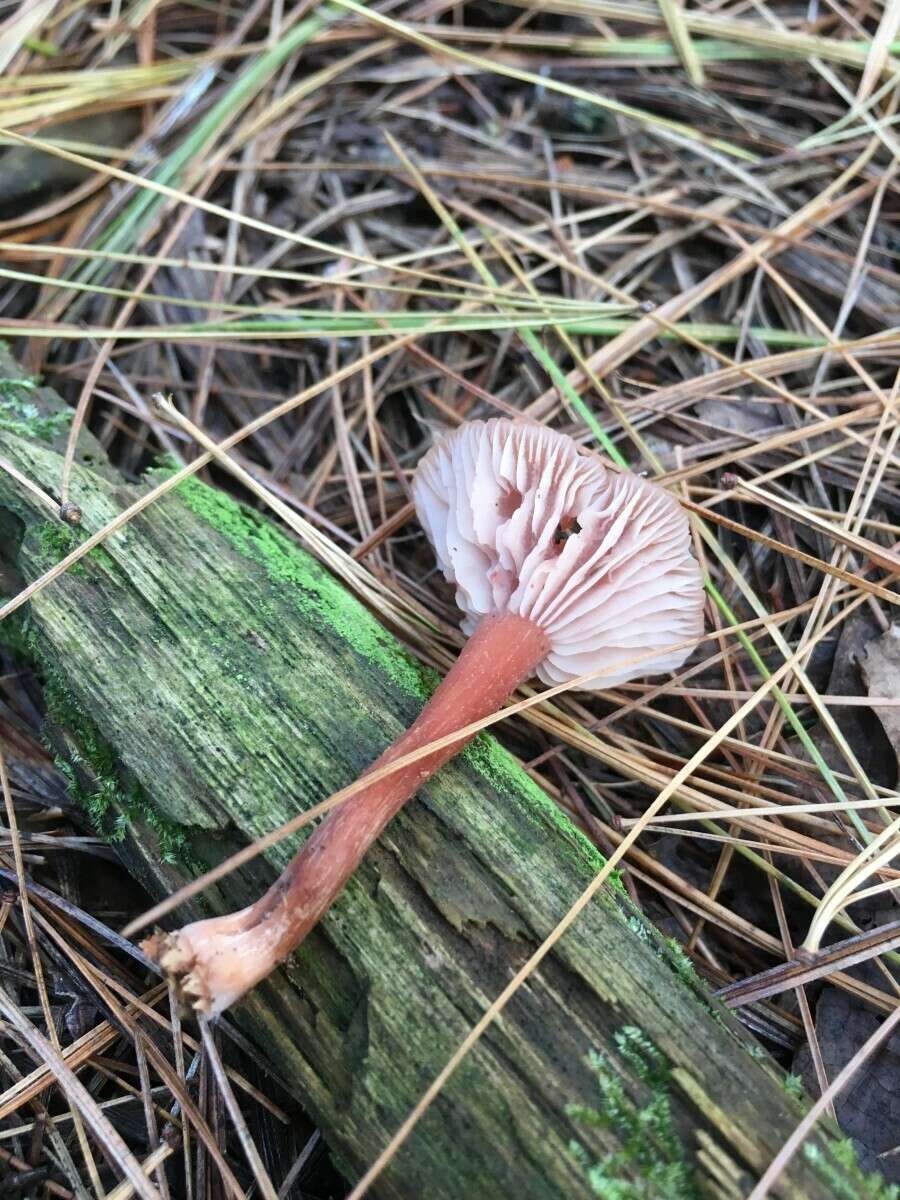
[562, 569]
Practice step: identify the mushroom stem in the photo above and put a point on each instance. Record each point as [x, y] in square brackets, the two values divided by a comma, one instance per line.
[215, 962]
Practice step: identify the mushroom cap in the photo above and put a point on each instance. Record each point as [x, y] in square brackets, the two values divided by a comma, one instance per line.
[522, 521]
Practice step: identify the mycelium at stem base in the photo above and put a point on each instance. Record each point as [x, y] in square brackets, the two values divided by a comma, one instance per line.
[215, 962]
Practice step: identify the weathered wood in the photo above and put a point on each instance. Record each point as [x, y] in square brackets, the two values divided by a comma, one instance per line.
[216, 679]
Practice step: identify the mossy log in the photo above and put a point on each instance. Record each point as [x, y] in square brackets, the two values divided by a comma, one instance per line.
[211, 679]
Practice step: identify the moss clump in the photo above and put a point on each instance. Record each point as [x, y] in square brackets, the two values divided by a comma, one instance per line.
[682, 964]
[112, 806]
[641, 930]
[57, 539]
[651, 1164]
[20, 415]
[92, 771]
[674, 954]
[840, 1170]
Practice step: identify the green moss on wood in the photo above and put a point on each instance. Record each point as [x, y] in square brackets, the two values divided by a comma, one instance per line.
[113, 806]
[92, 770]
[318, 595]
[682, 964]
[20, 415]
[673, 954]
[839, 1169]
[56, 541]
[652, 1163]
[500, 769]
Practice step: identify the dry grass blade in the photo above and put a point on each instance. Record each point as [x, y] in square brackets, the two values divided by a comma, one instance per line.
[186, 472]
[624, 110]
[18, 27]
[42, 497]
[266, 1187]
[882, 45]
[36, 962]
[153, 1162]
[681, 39]
[172, 193]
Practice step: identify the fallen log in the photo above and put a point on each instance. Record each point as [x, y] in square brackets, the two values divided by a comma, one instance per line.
[210, 679]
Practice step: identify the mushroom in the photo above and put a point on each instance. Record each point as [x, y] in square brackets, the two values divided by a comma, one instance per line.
[562, 569]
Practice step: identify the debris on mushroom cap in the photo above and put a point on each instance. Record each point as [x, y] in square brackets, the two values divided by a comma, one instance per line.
[521, 521]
